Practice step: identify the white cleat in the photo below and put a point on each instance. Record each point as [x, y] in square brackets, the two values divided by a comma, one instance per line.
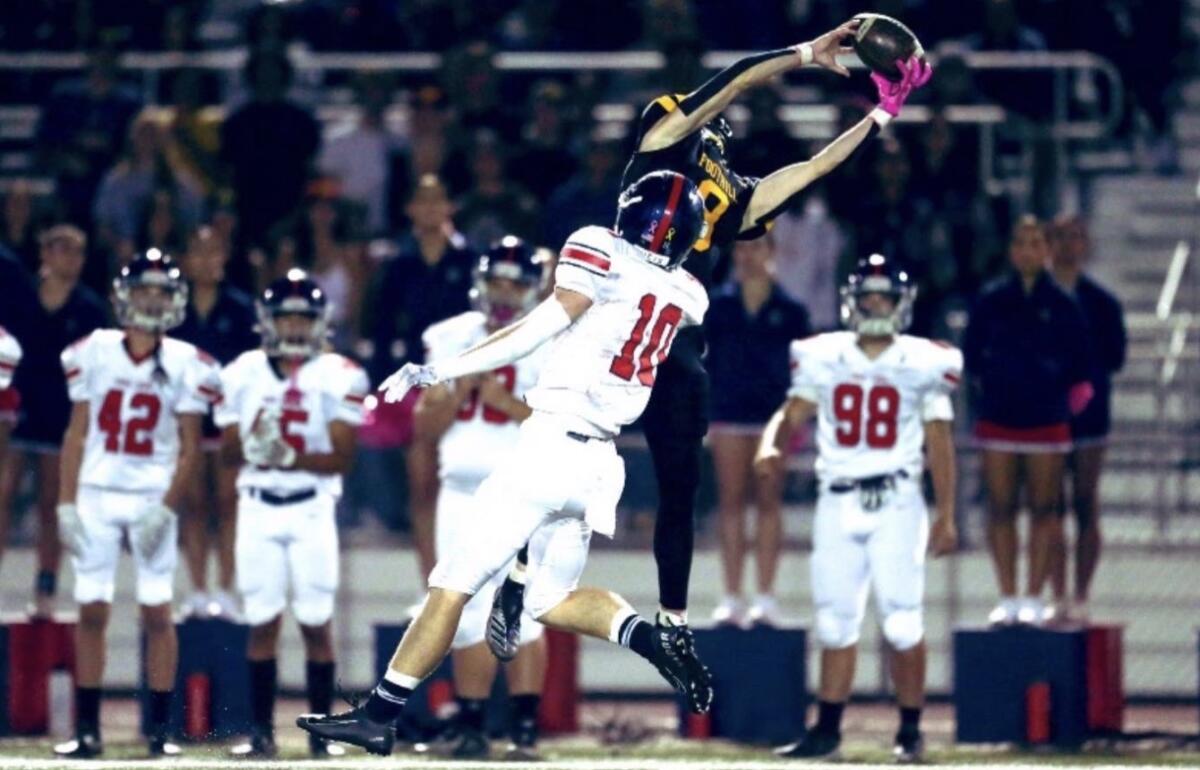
[730, 612]
[764, 611]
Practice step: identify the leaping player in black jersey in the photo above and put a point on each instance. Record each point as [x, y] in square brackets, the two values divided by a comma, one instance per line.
[687, 134]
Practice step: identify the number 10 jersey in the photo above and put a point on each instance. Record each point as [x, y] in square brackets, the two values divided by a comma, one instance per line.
[598, 373]
[871, 413]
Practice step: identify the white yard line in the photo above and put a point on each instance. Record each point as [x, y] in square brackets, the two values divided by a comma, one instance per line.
[7, 763]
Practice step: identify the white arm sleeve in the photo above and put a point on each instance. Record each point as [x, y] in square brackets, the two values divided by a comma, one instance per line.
[543, 323]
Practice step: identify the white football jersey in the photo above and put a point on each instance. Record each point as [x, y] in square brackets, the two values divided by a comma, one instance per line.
[10, 356]
[871, 414]
[133, 434]
[480, 435]
[327, 388]
[598, 373]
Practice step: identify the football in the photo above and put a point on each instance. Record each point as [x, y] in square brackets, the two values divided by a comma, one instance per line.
[881, 40]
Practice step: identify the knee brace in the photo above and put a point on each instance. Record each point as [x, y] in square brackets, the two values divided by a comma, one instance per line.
[836, 631]
[904, 628]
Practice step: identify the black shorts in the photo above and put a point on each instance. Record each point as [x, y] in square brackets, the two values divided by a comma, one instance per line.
[678, 408]
[41, 426]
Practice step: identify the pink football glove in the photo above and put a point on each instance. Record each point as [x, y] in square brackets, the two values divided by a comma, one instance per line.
[914, 74]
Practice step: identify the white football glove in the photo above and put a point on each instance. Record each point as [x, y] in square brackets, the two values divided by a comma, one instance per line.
[257, 446]
[151, 528]
[281, 454]
[70, 529]
[409, 376]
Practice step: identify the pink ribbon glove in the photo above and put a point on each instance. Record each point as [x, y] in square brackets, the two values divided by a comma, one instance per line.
[1079, 396]
[892, 95]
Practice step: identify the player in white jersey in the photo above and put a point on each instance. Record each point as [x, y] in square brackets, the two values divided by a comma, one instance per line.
[10, 400]
[879, 397]
[289, 418]
[132, 443]
[475, 422]
[618, 301]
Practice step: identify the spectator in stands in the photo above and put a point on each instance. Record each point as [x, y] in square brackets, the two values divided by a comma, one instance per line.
[810, 243]
[82, 129]
[589, 197]
[19, 232]
[1003, 30]
[1026, 353]
[543, 160]
[495, 205]
[749, 326]
[360, 156]
[268, 145]
[1102, 312]
[194, 132]
[472, 84]
[143, 196]
[66, 311]
[220, 321]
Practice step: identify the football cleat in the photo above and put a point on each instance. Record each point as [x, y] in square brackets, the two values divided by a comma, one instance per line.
[83, 746]
[161, 746]
[353, 727]
[261, 745]
[814, 745]
[504, 621]
[676, 660]
[464, 743]
[522, 746]
[909, 748]
[319, 748]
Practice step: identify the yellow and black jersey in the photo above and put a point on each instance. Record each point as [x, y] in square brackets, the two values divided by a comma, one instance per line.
[700, 156]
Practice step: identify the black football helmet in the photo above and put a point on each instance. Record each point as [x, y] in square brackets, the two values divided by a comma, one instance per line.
[877, 275]
[717, 131]
[662, 213]
[294, 294]
[155, 313]
[513, 259]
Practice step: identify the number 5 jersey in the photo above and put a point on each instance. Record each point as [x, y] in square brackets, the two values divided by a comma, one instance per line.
[598, 373]
[326, 388]
[871, 412]
[133, 434]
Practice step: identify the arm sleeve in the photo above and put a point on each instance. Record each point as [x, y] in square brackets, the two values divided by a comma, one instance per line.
[225, 411]
[201, 386]
[76, 364]
[351, 395]
[542, 323]
[944, 376]
[804, 373]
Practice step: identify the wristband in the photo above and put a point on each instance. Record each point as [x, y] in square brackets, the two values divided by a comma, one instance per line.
[805, 52]
[881, 116]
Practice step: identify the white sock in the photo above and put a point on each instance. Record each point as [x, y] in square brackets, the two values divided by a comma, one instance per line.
[401, 680]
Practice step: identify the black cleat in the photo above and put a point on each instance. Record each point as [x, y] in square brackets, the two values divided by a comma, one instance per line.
[260, 746]
[353, 727]
[504, 621]
[909, 748]
[464, 743]
[676, 660]
[84, 746]
[319, 748]
[814, 745]
[522, 746]
[161, 746]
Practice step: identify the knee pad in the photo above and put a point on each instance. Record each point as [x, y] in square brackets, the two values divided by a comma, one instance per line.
[836, 631]
[904, 629]
[472, 625]
[314, 608]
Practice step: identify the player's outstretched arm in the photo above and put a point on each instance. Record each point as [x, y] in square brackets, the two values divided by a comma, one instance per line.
[686, 115]
[939, 449]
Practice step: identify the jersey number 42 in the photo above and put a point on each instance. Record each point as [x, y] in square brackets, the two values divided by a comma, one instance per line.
[129, 430]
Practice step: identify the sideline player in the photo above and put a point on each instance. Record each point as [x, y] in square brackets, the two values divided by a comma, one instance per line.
[619, 300]
[475, 422]
[879, 397]
[686, 133]
[131, 448]
[289, 419]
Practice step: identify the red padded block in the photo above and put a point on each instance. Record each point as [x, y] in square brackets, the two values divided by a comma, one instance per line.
[559, 711]
[1105, 680]
[35, 649]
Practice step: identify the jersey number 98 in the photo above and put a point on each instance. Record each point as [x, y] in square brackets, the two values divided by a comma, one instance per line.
[877, 420]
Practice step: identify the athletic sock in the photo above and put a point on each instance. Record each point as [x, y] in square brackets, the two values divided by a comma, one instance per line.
[638, 635]
[87, 710]
[829, 717]
[160, 710]
[471, 712]
[263, 676]
[910, 719]
[318, 680]
[386, 701]
[523, 711]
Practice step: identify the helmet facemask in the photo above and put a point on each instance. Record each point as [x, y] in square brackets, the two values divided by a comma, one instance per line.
[279, 340]
[858, 315]
[153, 301]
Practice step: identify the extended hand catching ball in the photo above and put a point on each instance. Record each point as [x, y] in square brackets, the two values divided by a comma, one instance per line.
[881, 40]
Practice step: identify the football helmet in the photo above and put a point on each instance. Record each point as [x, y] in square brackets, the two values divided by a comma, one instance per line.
[717, 131]
[877, 275]
[150, 294]
[513, 259]
[662, 213]
[294, 294]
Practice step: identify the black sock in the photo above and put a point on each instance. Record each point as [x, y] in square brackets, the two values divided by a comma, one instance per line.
[386, 702]
[160, 710]
[471, 713]
[46, 583]
[523, 711]
[638, 635]
[318, 678]
[910, 719]
[263, 675]
[87, 710]
[829, 717]
[523, 555]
